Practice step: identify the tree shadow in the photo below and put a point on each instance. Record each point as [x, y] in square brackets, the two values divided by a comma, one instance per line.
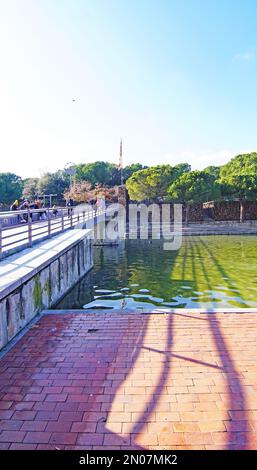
[236, 398]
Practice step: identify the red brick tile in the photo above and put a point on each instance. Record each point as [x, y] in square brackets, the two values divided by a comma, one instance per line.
[51, 390]
[6, 414]
[47, 415]
[83, 427]
[34, 426]
[67, 406]
[56, 397]
[78, 398]
[73, 390]
[59, 426]
[4, 445]
[34, 437]
[116, 417]
[44, 406]
[10, 425]
[34, 397]
[22, 406]
[24, 415]
[13, 397]
[63, 438]
[171, 439]
[95, 417]
[5, 405]
[12, 436]
[54, 447]
[22, 446]
[114, 439]
[71, 416]
[186, 427]
[212, 426]
[90, 439]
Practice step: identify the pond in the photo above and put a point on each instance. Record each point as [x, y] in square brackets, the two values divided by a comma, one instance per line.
[206, 272]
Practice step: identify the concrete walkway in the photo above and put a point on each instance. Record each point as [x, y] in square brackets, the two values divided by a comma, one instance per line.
[132, 381]
[18, 268]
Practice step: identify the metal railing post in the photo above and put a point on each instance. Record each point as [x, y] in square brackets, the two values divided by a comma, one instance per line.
[62, 221]
[49, 223]
[71, 222]
[1, 238]
[29, 229]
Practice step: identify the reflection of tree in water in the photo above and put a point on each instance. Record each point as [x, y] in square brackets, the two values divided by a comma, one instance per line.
[80, 294]
[170, 276]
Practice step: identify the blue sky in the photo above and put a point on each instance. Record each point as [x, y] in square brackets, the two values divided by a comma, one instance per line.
[176, 79]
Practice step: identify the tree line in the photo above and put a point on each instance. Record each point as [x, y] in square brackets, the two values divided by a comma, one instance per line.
[86, 176]
[235, 180]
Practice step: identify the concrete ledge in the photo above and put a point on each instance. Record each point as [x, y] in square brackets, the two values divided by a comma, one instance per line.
[155, 310]
[38, 278]
[20, 267]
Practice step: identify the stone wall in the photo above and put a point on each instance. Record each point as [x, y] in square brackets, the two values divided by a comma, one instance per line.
[230, 210]
[196, 213]
[217, 211]
[44, 289]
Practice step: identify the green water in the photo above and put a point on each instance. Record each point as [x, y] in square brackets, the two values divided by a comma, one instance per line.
[206, 272]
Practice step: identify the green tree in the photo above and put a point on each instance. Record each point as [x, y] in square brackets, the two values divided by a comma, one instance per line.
[104, 173]
[239, 179]
[54, 183]
[180, 169]
[213, 171]
[153, 183]
[130, 169]
[10, 188]
[194, 187]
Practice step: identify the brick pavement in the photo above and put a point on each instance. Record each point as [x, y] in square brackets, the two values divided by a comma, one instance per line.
[132, 381]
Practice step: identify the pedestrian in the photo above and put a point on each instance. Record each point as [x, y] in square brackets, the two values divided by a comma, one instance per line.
[55, 211]
[25, 206]
[70, 205]
[40, 206]
[34, 206]
[15, 205]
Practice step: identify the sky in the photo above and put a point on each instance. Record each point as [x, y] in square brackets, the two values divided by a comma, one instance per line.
[176, 79]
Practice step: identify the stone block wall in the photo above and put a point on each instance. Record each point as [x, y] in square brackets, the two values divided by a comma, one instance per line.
[230, 210]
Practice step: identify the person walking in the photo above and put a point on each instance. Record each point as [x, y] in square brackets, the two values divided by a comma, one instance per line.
[70, 205]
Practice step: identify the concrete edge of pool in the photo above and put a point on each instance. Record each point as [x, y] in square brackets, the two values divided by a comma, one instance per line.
[150, 311]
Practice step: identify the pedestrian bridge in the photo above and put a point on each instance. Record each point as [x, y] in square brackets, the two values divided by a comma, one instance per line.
[41, 261]
[23, 229]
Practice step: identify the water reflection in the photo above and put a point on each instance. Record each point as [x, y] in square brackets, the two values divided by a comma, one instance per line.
[207, 272]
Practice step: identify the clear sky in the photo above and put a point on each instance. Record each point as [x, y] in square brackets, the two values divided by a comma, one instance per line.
[177, 79]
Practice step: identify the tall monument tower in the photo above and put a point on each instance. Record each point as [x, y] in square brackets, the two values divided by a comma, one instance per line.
[121, 163]
[122, 191]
